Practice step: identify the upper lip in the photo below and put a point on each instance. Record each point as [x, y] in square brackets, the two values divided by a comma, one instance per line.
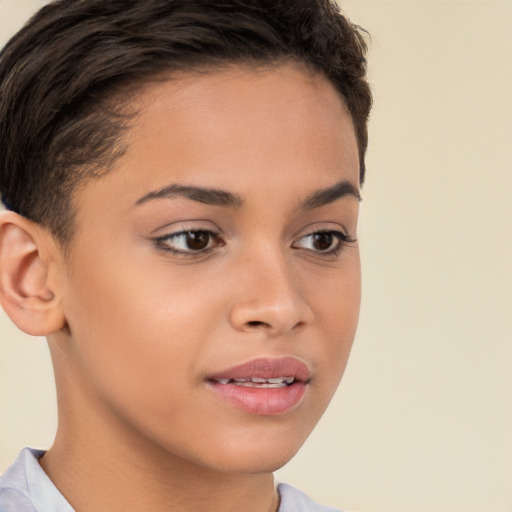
[266, 368]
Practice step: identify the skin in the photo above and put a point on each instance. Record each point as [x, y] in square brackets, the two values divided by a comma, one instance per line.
[138, 422]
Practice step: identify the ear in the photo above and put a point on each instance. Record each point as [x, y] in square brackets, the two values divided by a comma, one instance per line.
[28, 262]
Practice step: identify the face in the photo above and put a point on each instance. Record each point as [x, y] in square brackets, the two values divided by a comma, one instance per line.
[212, 287]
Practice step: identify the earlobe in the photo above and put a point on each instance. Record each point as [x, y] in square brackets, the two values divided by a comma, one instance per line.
[26, 292]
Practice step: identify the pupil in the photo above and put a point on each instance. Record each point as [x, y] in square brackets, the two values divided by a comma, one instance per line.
[197, 240]
[322, 241]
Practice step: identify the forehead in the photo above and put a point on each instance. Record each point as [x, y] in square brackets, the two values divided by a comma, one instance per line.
[263, 111]
[236, 129]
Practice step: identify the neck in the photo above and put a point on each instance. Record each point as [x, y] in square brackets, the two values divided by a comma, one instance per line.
[119, 483]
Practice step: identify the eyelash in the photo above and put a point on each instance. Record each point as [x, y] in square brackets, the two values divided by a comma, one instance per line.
[162, 242]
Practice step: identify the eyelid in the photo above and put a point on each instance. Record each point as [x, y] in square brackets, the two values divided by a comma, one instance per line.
[185, 226]
[323, 227]
[338, 233]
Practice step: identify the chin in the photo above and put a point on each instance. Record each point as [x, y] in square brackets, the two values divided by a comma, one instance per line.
[267, 453]
[253, 464]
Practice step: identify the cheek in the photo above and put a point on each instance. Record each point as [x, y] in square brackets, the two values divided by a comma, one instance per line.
[337, 296]
[337, 315]
[131, 323]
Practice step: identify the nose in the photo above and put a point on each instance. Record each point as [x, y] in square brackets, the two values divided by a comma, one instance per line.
[269, 298]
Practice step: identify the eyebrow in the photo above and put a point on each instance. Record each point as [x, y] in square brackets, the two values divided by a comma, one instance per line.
[331, 194]
[227, 199]
[210, 196]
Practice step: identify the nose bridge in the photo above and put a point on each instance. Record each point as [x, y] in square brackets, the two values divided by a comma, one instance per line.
[270, 297]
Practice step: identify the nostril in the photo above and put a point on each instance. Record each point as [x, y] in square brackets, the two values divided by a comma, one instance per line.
[255, 323]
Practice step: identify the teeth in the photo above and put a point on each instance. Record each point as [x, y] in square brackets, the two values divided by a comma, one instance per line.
[259, 382]
[261, 385]
[279, 380]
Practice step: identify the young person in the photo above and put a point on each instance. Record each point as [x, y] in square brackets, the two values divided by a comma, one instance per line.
[181, 181]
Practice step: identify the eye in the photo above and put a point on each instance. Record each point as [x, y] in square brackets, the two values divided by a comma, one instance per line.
[189, 242]
[323, 242]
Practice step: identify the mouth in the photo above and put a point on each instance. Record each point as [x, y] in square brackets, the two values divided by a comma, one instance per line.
[264, 386]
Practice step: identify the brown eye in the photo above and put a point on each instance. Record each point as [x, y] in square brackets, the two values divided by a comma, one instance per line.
[197, 240]
[189, 243]
[323, 242]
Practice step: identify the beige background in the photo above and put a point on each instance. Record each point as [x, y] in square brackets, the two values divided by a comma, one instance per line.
[423, 420]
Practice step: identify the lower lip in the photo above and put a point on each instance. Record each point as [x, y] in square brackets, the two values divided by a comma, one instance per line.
[262, 401]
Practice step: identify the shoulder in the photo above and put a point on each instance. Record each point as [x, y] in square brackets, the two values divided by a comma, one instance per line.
[293, 500]
[13, 500]
[25, 487]
[14, 485]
